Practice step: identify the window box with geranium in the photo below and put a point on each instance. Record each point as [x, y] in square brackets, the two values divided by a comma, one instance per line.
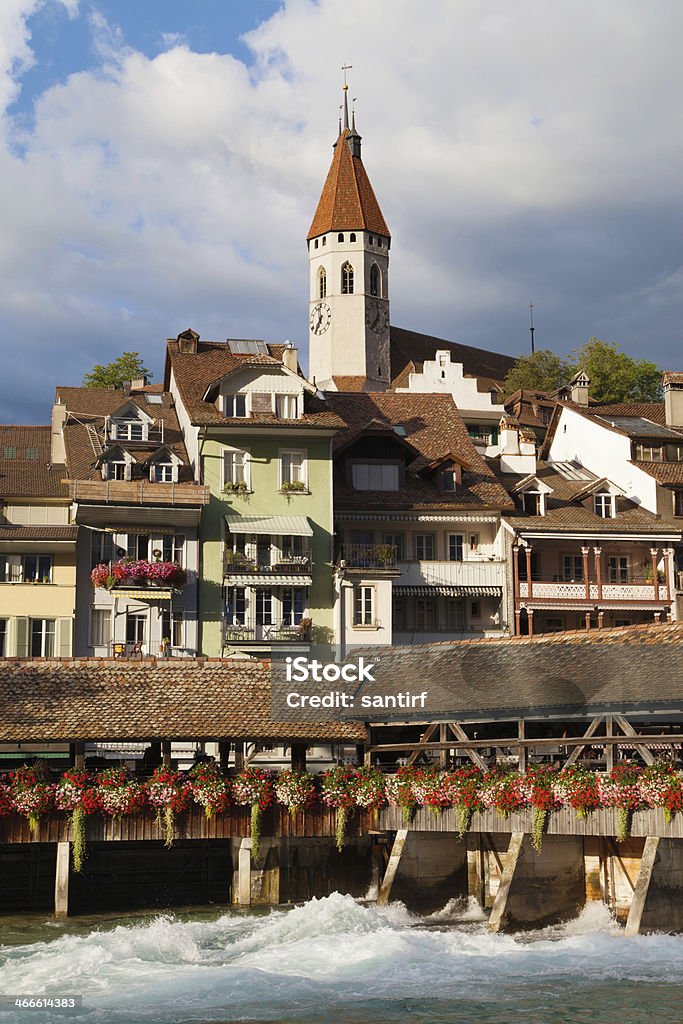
[295, 790]
[32, 793]
[210, 788]
[138, 572]
[120, 793]
[253, 788]
[170, 792]
[77, 793]
[339, 791]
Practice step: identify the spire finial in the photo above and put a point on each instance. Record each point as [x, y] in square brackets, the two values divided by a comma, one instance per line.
[345, 68]
[353, 115]
[340, 112]
[531, 326]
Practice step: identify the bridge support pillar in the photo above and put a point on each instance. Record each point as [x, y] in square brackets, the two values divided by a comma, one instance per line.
[62, 880]
[392, 866]
[647, 863]
[499, 911]
[244, 873]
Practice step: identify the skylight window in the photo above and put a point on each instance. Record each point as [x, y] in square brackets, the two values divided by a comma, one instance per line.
[247, 347]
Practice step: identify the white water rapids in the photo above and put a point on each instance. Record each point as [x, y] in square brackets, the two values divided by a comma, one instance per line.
[337, 959]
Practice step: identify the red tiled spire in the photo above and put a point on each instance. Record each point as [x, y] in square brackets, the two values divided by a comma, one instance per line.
[347, 202]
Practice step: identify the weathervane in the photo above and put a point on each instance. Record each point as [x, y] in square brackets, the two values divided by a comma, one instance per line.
[345, 68]
[532, 328]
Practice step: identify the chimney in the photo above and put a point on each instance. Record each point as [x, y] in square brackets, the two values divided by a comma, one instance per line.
[517, 448]
[57, 446]
[139, 383]
[578, 389]
[672, 385]
[290, 357]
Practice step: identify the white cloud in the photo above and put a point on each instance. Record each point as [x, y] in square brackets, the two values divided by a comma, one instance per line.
[515, 151]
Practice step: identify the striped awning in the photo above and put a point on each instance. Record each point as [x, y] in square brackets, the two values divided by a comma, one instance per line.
[440, 590]
[294, 526]
[270, 579]
[144, 595]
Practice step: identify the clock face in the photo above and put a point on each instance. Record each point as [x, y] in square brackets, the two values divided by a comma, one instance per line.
[377, 317]
[321, 314]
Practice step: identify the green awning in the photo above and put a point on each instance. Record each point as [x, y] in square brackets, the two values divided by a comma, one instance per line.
[294, 526]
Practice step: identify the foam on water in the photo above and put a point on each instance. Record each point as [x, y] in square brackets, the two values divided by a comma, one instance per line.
[321, 954]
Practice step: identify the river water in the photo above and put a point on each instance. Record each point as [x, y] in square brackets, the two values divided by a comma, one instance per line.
[336, 959]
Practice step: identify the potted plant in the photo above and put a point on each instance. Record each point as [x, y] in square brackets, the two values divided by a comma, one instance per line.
[385, 554]
[240, 489]
[293, 486]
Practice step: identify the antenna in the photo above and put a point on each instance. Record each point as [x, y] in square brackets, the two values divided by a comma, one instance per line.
[531, 327]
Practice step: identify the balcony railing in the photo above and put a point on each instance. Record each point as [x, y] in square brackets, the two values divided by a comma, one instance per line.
[480, 573]
[367, 556]
[143, 649]
[263, 632]
[139, 492]
[634, 589]
[237, 564]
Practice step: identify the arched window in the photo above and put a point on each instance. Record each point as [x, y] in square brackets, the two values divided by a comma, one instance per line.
[316, 243]
[322, 283]
[340, 237]
[352, 237]
[347, 279]
[375, 288]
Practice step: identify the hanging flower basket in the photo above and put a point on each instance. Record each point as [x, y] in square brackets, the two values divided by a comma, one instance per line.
[170, 792]
[210, 789]
[119, 793]
[295, 790]
[77, 794]
[253, 788]
[339, 791]
[32, 794]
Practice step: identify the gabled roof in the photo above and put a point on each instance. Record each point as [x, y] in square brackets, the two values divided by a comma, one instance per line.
[408, 351]
[347, 201]
[195, 372]
[432, 428]
[24, 476]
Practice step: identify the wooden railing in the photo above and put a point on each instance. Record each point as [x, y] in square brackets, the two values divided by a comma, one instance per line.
[367, 556]
[139, 492]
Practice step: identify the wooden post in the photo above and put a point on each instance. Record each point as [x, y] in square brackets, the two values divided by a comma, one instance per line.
[499, 911]
[515, 578]
[166, 753]
[586, 572]
[647, 863]
[522, 749]
[297, 757]
[530, 617]
[79, 754]
[528, 571]
[224, 753]
[239, 755]
[518, 621]
[587, 618]
[609, 749]
[443, 736]
[598, 570]
[392, 867]
[62, 880]
[244, 873]
[655, 582]
[360, 753]
[668, 556]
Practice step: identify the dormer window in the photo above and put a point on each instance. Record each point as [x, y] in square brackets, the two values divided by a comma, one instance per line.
[286, 407]
[235, 406]
[533, 503]
[116, 469]
[604, 505]
[375, 476]
[448, 479]
[128, 430]
[163, 473]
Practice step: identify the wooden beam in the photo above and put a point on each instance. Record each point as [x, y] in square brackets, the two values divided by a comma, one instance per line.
[62, 880]
[628, 730]
[392, 867]
[79, 754]
[421, 745]
[166, 753]
[647, 863]
[555, 741]
[590, 731]
[239, 755]
[523, 752]
[460, 734]
[499, 910]
[609, 752]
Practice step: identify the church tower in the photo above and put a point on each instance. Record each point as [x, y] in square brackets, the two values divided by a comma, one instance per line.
[348, 255]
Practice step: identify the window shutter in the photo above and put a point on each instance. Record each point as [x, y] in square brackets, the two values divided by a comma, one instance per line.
[21, 636]
[64, 631]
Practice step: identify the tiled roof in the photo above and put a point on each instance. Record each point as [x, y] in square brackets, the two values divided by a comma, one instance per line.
[431, 428]
[22, 533]
[350, 383]
[648, 410]
[23, 476]
[347, 201]
[87, 408]
[124, 699]
[672, 377]
[564, 510]
[194, 373]
[409, 350]
[665, 473]
[579, 674]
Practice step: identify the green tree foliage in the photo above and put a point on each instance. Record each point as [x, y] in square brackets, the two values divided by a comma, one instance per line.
[129, 366]
[541, 371]
[615, 376]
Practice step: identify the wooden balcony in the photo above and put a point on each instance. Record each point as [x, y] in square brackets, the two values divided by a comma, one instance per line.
[632, 591]
[367, 556]
[138, 492]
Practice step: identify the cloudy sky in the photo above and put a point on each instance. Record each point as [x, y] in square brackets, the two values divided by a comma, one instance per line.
[160, 163]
